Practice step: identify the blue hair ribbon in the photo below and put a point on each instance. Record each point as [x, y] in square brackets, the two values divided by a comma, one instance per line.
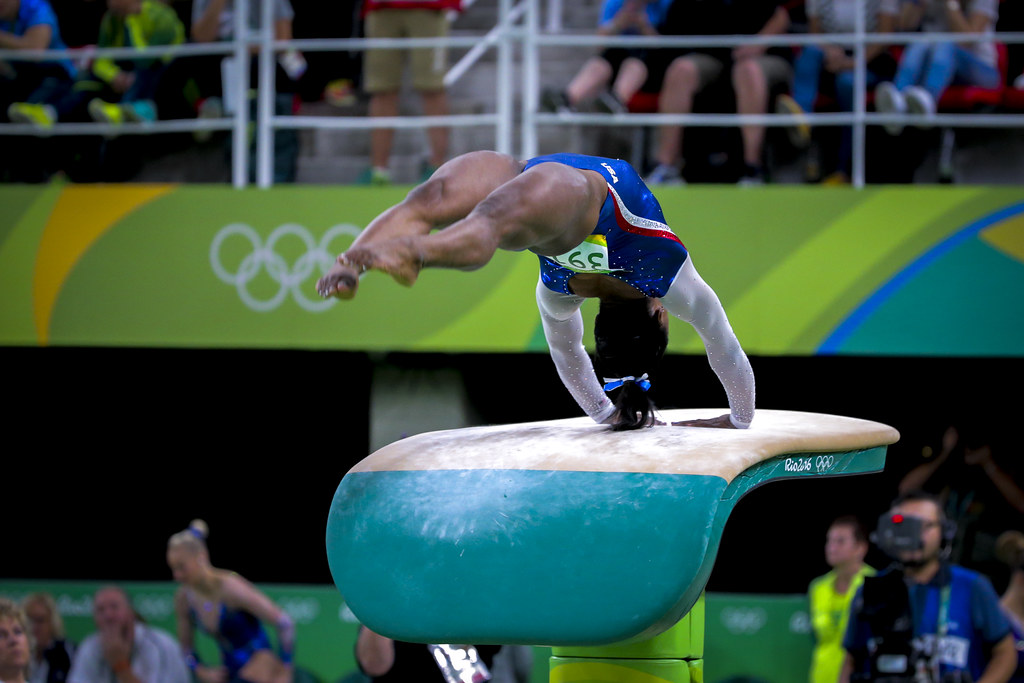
[640, 381]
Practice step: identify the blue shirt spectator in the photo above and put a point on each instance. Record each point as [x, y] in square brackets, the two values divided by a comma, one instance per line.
[21, 17]
[973, 621]
[655, 10]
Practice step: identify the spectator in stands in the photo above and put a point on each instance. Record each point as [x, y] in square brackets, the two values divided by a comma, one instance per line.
[382, 76]
[1010, 549]
[213, 20]
[124, 649]
[52, 653]
[976, 492]
[127, 87]
[846, 545]
[230, 609]
[624, 68]
[927, 69]
[15, 651]
[30, 89]
[119, 90]
[754, 71]
[383, 659]
[925, 614]
[836, 64]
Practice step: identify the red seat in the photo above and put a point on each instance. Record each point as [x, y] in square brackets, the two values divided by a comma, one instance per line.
[1013, 98]
[643, 103]
[969, 97]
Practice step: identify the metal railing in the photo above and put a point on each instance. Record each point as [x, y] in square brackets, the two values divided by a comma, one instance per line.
[518, 24]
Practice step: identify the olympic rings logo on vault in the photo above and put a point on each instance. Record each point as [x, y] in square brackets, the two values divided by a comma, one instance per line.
[263, 259]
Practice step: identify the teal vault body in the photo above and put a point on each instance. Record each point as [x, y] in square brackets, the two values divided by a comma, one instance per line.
[562, 532]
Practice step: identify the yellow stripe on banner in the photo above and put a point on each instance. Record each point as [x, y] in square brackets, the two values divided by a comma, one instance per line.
[832, 262]
[601, 672]
[514, 326]
[1007, 236]
[81, 216]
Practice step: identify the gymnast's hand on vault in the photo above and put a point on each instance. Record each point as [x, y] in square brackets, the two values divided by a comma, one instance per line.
[720, 422]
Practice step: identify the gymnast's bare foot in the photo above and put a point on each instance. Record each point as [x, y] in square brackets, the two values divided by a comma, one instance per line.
[399, 258]
[341, 281]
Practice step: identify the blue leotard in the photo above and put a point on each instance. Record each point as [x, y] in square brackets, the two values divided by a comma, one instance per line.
[630, 242]
[239, 635]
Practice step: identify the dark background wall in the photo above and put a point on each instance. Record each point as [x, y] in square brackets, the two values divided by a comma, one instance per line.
[110, 451]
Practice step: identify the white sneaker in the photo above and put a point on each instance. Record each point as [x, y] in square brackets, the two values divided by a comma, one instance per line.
[920, 103]
[664, 174]
[889, 100]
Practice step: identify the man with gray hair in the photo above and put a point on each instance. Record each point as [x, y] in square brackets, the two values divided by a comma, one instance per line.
[124, 650]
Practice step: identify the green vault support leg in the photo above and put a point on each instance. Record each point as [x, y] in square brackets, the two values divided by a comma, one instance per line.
[673, 656]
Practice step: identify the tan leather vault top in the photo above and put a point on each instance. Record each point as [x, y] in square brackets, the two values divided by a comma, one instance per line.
[579, 444]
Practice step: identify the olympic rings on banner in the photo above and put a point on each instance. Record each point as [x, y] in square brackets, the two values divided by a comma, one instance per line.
[264, 258]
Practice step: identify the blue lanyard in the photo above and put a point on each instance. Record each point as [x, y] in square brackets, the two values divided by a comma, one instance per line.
[941, 629]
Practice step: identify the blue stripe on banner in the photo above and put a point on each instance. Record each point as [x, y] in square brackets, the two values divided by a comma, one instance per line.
[835, 341]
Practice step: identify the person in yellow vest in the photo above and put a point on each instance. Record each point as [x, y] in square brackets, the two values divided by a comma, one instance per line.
[846, 545]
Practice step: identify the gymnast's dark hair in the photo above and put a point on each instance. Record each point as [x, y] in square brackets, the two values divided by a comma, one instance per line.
[630, 341]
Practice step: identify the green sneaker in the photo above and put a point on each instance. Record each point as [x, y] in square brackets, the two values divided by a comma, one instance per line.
[140, 111]
[426, 171]
[42, 115]
[105, 112]
[374, 176]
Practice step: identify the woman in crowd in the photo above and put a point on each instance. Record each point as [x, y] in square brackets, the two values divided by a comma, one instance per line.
[15, 652]
[229, 609]
[51, 652]
[1010, 549]
[836, 63]
[927, 69]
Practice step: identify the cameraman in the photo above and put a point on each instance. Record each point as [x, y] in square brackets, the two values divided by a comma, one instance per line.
[925, 620]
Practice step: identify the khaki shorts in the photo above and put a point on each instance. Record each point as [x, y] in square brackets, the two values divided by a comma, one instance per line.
[776, 69]
[382, 69]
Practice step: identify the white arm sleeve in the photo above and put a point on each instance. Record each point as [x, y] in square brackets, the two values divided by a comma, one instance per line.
[563, 329]
[690, 299]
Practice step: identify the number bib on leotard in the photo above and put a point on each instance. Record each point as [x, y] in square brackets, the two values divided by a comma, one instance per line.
[589, 257]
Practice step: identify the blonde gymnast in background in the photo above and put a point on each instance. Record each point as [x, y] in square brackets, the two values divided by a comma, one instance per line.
[230, 610]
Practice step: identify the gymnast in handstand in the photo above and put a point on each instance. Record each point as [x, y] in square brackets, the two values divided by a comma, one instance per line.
[599, 233]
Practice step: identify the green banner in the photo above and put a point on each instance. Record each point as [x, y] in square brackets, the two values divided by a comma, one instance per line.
[325, 630]
[759, 637]
[801, 271]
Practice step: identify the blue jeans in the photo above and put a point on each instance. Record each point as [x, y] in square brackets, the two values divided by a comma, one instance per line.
[936, 66]
[806, 75]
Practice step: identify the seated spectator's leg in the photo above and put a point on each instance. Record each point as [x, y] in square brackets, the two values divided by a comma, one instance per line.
[74, 105]
[912, 65]
[751, 86]
[52, 89]
[140, 97]
[844, 95]
[806, 74]
[592, 77]
[753, 80]
[684, 78]
[940, 69]
[632, 75]
[971, 70]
